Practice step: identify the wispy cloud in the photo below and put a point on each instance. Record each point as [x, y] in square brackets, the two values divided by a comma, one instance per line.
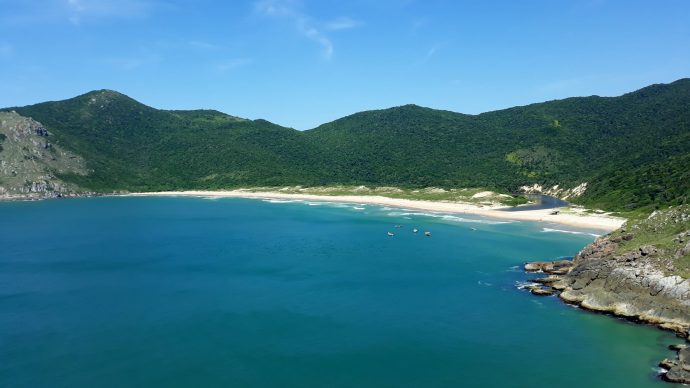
[428, 55]
[342, 23]
[199, 44]
[145, 58]
[432, 51]
[232, 64]
[305, 25]
[81, 9]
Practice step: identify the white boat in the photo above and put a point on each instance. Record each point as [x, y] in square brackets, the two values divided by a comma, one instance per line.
[415, 230]
[390, 234]
[428, 234]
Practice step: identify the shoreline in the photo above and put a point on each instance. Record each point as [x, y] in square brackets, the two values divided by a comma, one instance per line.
[600, 222]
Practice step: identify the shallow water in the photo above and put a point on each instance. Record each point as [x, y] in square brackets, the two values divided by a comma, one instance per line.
[180, 292]
[542, 202]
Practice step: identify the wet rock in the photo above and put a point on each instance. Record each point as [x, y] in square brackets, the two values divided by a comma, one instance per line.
[541, 291]
[534, 266]
[668, 364]
[677, 375]
[678, 370]
[548, 280]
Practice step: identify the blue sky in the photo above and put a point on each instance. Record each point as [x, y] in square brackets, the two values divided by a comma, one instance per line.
[301, 63]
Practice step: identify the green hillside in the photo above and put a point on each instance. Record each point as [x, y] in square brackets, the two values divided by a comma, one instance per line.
[593, 139]
[131, 146]
[632, 150]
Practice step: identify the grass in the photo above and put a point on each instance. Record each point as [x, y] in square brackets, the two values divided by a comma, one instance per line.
[660, 229]
[476, 196]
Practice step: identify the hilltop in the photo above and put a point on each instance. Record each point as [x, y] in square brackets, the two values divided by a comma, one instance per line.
[622, 153]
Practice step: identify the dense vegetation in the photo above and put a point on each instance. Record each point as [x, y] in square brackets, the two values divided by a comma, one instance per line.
[633, 150]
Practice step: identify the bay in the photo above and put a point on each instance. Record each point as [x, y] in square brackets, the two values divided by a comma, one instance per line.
[181, 292]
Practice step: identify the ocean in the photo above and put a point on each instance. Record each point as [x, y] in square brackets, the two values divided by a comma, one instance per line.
[195, 292]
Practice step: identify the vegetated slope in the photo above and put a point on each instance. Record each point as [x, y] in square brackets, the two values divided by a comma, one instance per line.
[629, 149]
[567, 142]
[135, 147]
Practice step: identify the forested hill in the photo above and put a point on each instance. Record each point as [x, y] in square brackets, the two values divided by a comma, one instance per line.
[632, 150]
[611, 143]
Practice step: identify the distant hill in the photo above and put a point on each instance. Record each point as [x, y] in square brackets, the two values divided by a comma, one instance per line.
[632, 150]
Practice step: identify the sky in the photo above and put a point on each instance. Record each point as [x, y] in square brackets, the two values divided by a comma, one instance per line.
[302, 63]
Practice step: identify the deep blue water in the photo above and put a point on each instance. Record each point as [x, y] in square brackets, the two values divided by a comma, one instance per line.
[190, 292]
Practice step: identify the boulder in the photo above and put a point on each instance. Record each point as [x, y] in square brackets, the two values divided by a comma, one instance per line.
[541, 291]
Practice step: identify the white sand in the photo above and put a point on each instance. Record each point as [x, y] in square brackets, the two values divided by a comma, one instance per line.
[593, 221]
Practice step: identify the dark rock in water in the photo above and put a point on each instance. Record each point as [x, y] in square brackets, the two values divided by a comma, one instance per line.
[678, 347]
[541, 291]
[547, 280]
[684, 358]
[677, 375]
[668, 364]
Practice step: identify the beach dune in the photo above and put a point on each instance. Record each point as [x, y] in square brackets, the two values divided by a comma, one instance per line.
[601, 222]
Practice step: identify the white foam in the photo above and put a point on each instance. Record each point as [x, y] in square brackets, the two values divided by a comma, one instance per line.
[446, 217]
[523, 285]
[549, 230]
[273, 200]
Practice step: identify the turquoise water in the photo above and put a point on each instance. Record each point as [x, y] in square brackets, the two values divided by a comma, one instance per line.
[191, 292]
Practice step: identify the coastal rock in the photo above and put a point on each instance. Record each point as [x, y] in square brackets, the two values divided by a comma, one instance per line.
[631, 285]
[638, 282]
[541, 291]
[677, 375]
[549, 280]
[559, 267]
[668, 364]
[678, 370]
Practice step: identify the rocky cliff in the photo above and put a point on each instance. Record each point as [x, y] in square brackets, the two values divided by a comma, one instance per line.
[31, 163]
[639, 272]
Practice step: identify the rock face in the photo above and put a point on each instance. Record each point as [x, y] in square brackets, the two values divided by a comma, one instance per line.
[633, 273]
[679, 369]
[31, 162]
[630, 285]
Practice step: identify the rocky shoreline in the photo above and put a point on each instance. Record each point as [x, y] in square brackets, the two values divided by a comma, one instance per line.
[631, 285]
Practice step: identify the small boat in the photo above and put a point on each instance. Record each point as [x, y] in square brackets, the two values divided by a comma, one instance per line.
[428, 234]
[415, 230]
[398, 226]
[473, 228]
[390, 234]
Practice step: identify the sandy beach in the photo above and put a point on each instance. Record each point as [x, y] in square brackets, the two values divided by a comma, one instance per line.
[600, 222]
